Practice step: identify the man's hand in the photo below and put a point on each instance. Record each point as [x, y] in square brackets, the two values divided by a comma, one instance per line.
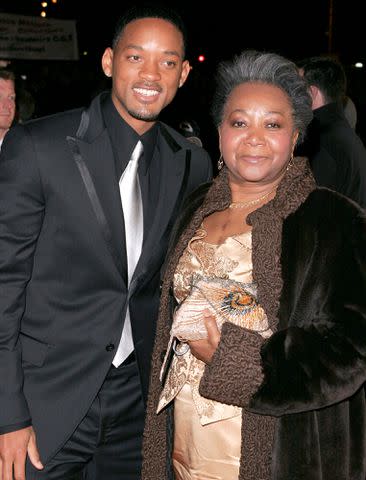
[14, 447]
[204, 349]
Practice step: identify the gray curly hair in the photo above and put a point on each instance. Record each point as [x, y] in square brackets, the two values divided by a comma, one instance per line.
[252, 66]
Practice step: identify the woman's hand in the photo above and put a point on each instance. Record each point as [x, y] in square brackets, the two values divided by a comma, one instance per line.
[204, 349]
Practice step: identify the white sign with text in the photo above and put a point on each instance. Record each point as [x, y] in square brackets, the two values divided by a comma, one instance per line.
[37, 38]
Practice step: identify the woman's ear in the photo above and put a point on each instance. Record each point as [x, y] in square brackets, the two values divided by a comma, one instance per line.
[219, 132]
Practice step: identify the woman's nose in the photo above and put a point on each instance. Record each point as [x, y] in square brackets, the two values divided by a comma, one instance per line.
[254, 136]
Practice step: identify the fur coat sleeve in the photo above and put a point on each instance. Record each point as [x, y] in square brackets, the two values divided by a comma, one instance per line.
[317, 357]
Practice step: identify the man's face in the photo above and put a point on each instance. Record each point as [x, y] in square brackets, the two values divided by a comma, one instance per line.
[147, 68]
[7, 105]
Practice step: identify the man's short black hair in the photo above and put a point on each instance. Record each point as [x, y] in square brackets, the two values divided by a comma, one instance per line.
[148, 10]
[327, 74]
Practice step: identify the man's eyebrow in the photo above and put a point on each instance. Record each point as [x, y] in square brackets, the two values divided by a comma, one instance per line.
[172, 52]
[166, 52]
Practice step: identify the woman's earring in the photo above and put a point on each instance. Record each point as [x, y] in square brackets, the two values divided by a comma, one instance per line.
[220, 163]
[291, 161]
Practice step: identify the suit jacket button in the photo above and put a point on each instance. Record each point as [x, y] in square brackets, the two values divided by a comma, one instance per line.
[110, 347]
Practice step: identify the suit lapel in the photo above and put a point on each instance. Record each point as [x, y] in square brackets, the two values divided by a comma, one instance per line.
[174, 171]
[92, 152]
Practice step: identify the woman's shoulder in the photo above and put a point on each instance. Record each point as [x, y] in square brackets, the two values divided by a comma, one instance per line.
[333, 215]
[324, 202]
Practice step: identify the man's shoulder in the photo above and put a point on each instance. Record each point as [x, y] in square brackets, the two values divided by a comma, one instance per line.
[47, 130]
[170, 134]
[55, 122]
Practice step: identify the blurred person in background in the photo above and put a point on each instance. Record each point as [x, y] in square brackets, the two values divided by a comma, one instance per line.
[190, 129]
[26, 105]
[7, 102]
[336, 153]
[350, 111]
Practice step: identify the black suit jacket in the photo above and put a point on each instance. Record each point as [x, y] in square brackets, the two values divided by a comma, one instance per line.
[63, 296]
[336, 153]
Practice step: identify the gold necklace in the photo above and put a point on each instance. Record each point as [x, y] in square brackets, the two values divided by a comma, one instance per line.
[251, 202]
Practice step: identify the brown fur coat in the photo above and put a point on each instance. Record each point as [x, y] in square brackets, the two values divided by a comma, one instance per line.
[302, 256]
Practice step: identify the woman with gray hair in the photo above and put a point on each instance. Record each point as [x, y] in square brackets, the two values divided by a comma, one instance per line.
[259, 363]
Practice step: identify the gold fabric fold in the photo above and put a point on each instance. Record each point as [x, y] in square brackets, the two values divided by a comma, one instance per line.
[219, 268]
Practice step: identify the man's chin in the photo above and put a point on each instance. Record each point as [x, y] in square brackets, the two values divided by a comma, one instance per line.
[144, 116]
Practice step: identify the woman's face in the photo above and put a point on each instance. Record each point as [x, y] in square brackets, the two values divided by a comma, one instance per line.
[257, 134]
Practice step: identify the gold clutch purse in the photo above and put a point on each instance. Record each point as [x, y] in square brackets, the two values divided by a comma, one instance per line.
[227, 300]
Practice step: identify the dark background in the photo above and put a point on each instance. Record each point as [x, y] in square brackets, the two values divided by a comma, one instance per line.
[294, 29]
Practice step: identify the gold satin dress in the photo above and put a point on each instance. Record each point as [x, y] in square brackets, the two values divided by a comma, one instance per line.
[207, 434]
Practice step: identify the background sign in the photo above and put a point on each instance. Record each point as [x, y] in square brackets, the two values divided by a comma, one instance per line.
[37, 38]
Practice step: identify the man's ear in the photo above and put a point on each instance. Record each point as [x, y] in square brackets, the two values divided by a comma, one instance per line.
[317, 97]
[313, 91]
[107, 62]
[186, 68]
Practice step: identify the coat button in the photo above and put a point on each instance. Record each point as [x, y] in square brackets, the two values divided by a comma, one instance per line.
[110, 347]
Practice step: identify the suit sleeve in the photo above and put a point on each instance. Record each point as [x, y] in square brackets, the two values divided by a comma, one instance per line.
[297, 369]
[202, 166]
[207, 160]
[21, 216]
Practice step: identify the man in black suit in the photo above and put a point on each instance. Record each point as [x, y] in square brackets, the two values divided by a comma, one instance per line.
[70, 402]
[336, 153]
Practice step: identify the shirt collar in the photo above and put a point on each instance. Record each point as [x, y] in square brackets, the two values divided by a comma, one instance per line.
[124, 137]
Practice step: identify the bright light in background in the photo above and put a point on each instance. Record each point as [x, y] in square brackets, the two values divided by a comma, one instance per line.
[359, 65]
[85, 53]
[43, 12]
[201, 58]
[54, 1]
